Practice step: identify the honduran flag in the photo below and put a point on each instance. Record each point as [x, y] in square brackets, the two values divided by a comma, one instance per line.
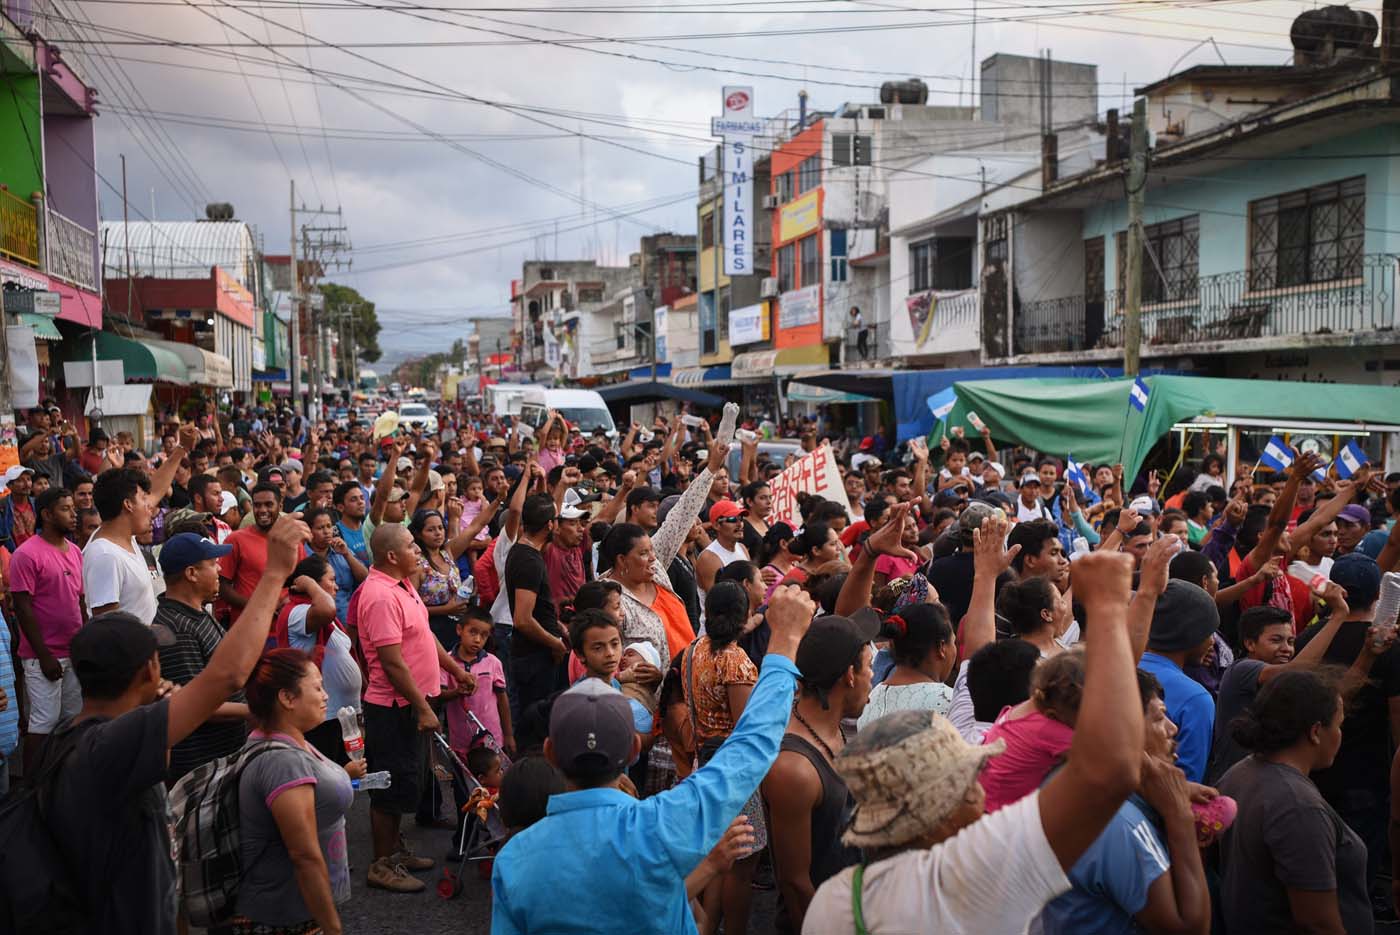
[1138, 395]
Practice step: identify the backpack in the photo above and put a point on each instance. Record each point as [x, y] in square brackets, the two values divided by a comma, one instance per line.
[39, 892]
[209, 862]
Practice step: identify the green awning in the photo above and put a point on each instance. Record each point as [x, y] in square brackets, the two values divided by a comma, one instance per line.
[143, 362]
[44, 328]
[1093, 420]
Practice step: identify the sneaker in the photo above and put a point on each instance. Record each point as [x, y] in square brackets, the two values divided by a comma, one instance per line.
[387, 874]
[405, 857]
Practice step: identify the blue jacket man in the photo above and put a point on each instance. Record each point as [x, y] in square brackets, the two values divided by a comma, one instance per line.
[603, 861]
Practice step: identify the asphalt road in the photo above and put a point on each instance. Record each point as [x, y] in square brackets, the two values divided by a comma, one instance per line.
[372, 911]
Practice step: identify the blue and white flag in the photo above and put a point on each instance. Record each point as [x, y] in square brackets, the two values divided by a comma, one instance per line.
[1350, 460]
[1138, 395]
[942, 403]
[1074, 473]
[1276, 455]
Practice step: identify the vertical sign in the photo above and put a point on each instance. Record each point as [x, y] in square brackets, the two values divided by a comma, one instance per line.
[737, 127]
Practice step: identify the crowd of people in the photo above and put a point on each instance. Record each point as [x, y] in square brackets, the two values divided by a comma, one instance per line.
[967, 691]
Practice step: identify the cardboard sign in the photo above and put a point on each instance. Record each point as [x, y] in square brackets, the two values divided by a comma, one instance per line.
[815, 473]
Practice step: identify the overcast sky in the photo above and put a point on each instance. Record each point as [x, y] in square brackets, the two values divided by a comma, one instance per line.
[451, 141]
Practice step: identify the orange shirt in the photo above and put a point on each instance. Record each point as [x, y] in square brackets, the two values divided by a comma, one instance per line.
[679, 632]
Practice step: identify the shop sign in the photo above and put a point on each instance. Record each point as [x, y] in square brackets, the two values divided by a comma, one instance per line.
[800, 307]
[799, 217]
[737, 128]
[748, 324]
[815, 473]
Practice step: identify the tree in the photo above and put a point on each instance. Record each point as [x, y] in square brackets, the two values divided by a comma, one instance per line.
[364, 321]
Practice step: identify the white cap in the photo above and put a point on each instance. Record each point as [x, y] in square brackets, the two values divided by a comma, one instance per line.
[227, 502]
[13, 473]
[998, 467]
[404, 464]
[646, 650]
[572, 512]
[1143, 504]
[435, 481]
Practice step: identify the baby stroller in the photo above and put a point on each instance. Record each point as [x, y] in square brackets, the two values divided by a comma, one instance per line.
[484, 830]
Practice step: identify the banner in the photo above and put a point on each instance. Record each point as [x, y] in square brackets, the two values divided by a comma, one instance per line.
[800, 307]
[815, 473]
[737, 127]
[800, 217]
[748, 324]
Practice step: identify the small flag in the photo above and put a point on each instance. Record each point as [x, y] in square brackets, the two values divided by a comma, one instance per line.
[942, 403]
[1277, 456]
[1074, 473]
[1350, 460]
[1138, 395]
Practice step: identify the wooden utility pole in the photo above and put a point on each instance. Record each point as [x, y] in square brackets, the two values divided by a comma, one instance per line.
[1137, 186]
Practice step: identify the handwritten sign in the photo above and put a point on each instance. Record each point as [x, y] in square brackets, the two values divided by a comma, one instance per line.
[815, 473]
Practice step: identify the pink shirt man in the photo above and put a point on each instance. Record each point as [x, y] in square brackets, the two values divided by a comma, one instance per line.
[389, 612]
[53, 579]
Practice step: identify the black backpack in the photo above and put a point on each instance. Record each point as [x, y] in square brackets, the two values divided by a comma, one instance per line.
[39, 893]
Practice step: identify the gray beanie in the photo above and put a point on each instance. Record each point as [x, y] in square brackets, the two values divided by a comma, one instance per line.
[1185, 616]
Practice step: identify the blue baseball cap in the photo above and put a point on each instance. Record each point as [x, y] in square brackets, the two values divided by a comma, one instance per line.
[186, 549]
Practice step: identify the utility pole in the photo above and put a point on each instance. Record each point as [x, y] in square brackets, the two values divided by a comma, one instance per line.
[1137, 190]
[294, 352]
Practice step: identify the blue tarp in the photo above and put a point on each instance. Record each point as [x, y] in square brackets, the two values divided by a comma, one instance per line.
[912, 388]
[651, 391]
[644, 372]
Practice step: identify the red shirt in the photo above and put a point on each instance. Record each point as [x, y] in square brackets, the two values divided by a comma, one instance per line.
[244, 566]
[389, 612]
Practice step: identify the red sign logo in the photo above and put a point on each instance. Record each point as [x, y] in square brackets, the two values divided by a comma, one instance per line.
[737, 101]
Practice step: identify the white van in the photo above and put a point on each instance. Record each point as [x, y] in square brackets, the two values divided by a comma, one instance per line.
[584, 408]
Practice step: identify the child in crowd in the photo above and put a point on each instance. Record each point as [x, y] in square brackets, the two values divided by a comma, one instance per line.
[634, 653]
[489, 702]
[597, 641]
[485, 765]
[472, 503]
[1038, 731]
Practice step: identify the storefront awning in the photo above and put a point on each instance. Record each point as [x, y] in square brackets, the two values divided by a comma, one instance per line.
[754, 365]
[143, 362]
[44, 328]
[129, 399]
[821, 396]
[644, 372]
[634, 391]
[205, 367]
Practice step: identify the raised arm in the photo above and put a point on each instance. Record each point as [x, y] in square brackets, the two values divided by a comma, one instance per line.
[1151, 583]
[1105, 758]
[919, 449]
[1303, 465]
[231, 663]
[990, 557]
[666, 542]
[608, 513]
[860, 581]
[1345, 493]
[164, 477]
[386, 481]
[458, 543]
[322, 608]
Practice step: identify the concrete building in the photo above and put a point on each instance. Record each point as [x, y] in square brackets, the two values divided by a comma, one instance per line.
[553, 305]
[1271, 222]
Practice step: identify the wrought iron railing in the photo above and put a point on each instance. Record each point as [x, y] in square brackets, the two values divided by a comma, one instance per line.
[1222, 307]
[71, 250]
[876, 345]
[19, 229]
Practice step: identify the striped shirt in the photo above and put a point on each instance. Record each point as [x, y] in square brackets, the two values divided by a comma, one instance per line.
[197, 635]
[9, 718]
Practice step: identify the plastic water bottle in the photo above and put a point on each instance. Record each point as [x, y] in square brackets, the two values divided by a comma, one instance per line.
[350, 732]
[379, 780]
[1080, 548]
[467, 589]
[1388, 606]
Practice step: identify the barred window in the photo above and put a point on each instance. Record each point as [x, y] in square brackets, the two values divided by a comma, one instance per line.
[1313, 235]
[1171, 260]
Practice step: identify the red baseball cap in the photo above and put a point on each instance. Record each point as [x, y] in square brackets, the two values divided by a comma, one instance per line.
[724, 509]
[867, 443]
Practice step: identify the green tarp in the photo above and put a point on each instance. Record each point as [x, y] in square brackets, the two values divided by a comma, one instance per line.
[1093, 420]
[143, 363]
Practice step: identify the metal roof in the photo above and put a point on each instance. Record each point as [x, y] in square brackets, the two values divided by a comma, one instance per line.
[179, 249]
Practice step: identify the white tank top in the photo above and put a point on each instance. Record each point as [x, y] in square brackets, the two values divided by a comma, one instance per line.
[728, 556]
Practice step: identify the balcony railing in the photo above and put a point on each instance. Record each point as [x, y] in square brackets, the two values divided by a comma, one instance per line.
[19, 229]
[876, 343]
[1222, 307]
[71, 250]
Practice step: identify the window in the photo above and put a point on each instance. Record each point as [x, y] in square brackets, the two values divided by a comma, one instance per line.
[809, 174]
[1314, 235]
[940, 263]
[838, 255]
[1170, 260]
[722, 319]
[707, 230]
[811, 259]
[589, 294]
[850, 150]
[783, 188]
[787, 268]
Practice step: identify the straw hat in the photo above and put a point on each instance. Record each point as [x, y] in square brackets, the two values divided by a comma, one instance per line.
[908, 771]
